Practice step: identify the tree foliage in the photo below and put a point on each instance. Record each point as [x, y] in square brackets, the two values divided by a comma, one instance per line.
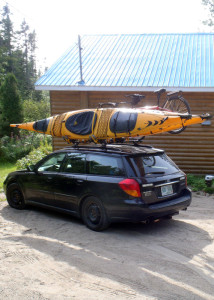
[11, 106]
[34, 110]
[210, 5]
[17, 54]
[18, 73]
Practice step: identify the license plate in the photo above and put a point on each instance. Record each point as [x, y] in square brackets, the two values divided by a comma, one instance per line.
[166, 190]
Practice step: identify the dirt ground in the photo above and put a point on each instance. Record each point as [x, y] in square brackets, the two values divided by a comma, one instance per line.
[47, 255]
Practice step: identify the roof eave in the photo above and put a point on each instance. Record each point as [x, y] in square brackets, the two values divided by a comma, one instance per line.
[120, 88]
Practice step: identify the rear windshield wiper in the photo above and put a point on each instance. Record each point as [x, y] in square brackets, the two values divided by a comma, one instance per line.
[159, 173]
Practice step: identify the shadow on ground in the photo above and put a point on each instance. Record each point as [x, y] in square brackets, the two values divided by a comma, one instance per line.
[143, 257]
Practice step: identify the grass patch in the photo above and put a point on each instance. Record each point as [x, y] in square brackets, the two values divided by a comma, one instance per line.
[5, 168]
[197, 184]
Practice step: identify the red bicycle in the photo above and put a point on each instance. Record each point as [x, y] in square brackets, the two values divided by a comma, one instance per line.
[174, 102]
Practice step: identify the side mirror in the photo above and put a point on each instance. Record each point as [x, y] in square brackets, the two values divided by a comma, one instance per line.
[31, 168]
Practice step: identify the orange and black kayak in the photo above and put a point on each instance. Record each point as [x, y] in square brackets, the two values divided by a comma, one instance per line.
[111, 123]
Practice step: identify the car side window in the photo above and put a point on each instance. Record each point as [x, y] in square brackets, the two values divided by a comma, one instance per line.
[75, 163]
[52, 164]
[105, 165]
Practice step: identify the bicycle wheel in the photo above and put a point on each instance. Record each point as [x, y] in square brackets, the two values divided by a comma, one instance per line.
[180, 105]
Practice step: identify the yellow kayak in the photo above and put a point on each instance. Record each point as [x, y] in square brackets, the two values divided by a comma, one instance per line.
[111, 123]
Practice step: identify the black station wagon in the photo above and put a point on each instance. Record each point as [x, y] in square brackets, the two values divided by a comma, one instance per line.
[103, 184]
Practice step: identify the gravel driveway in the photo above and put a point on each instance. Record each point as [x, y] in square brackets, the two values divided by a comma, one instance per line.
[47, 255]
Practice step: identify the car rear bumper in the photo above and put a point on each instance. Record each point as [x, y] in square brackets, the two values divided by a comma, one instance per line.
[135, 211]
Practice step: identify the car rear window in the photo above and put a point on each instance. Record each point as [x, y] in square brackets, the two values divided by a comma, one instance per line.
[152, 165]
[105, 165]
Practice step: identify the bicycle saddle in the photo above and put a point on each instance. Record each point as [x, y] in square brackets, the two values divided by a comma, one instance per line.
[160, 91]
[136, 98]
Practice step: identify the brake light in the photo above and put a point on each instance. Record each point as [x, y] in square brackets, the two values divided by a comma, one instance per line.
[130, 187]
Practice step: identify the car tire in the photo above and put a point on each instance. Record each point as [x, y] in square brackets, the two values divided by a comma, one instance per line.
[168, 217]
[15, 197]
[94, 215]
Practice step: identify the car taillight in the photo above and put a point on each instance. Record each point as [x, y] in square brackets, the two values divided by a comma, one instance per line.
[131, 187]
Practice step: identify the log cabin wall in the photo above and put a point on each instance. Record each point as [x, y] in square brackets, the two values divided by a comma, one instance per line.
[192, 150]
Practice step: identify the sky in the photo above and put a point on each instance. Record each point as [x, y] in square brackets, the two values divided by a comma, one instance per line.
[58, 23]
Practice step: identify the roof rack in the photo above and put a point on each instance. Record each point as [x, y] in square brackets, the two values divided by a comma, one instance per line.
[107, 147]
[98, 147]
[135, 144]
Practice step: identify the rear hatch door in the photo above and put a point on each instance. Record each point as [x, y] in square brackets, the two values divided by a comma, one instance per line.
[159, 177]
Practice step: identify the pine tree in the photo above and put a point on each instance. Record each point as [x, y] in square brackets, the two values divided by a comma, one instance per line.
[2, 60]
[210, 5]
[7, 35]
[11, 108]
[17, 55]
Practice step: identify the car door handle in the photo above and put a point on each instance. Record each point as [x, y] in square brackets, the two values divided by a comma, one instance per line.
[49, 179]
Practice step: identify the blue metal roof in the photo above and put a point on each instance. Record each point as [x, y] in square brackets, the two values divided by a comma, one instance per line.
[138, 61]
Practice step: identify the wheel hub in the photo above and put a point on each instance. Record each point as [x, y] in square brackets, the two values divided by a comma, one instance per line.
[94, 213]
[16, 196]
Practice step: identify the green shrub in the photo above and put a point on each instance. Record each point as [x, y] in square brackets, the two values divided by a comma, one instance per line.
[14, 148]
[35, 139]
[209, 189]
[197, 183]
[34, 156]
